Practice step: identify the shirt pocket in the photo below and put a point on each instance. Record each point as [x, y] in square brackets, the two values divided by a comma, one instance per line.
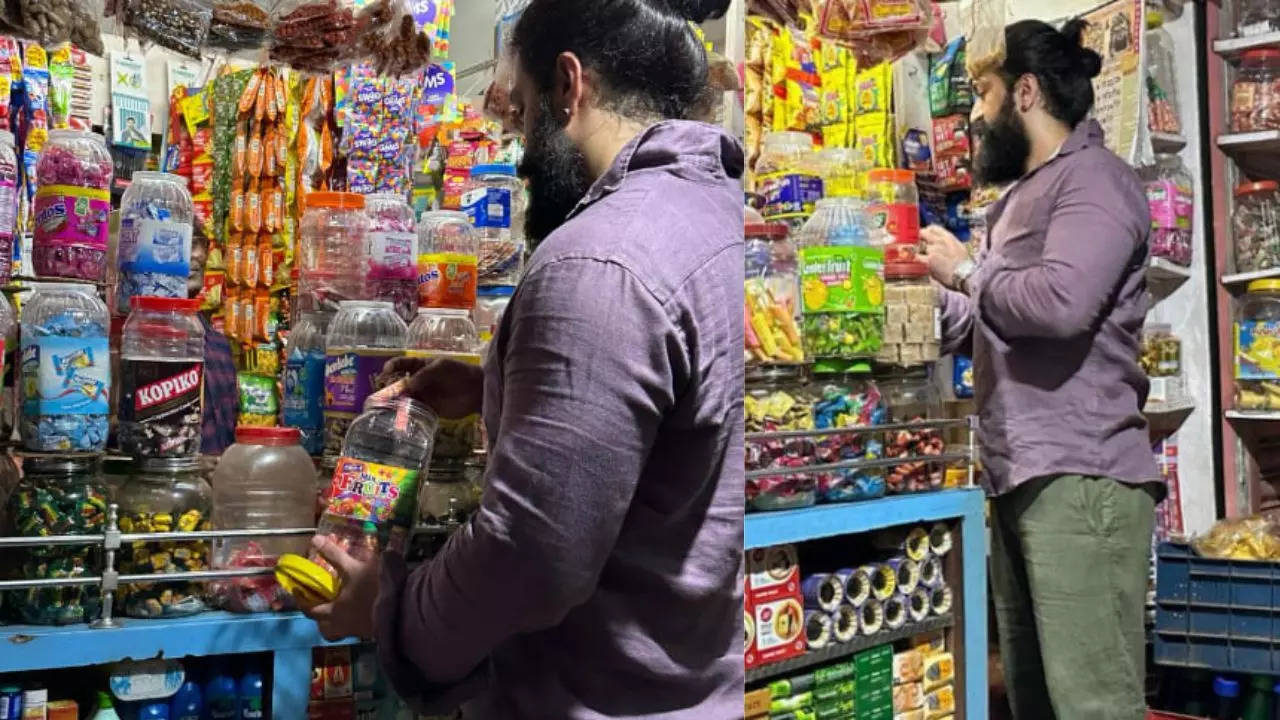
[1021, 232]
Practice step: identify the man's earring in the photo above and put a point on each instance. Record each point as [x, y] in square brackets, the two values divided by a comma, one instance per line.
[567, 113]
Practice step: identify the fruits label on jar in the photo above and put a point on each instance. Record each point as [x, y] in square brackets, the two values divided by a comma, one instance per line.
[159, 391]
[1258, 350]
[488, 207]
[367, 491]
[348, 377]
[788, 194]
[70, 215]
[65, 375]
[157, 246]
[447, 280]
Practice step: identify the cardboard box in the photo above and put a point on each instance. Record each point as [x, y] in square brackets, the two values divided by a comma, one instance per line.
[749, 628]
[773, 572]
[757, 702]
[779, 627]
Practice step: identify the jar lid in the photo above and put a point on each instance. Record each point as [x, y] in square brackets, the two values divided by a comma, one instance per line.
[156, 175]
[58, 464]
[1268, 285]
[905, 271]
[894, 175]
[770, 230]
[1262, 54]
[170, 465]
[448, 312]
[496, 291]
[493, 169]
[333, 200]
[373, 304]
[252, 435]
[1254, 187]
[163, 304]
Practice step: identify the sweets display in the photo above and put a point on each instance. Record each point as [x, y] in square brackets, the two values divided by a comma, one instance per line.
[910, 319]
[1255, 103]
[1255, 226]
[362, 337]
[302, 401]
[448, 254]
[331, 250]
[1162, 96]
[771, 291]
[1171, 198]
[913, 399]
[1257, 348]
[154, 252]
[788, 178]
[392, 270]
[850, 401]
[893, 206]
[71, 207]
[448, 333]
[495, 204]
[775, 401]
[161, 379]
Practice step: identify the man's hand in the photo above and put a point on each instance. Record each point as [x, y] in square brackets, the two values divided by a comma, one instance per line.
[453, 389]
[351, 613]
[944, 253]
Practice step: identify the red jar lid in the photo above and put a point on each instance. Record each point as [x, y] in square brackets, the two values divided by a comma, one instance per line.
[893, 175]
[1253, 187]
[252, 435]
[773, 231]
[1261, 54]
[905, 270]
[159, 304]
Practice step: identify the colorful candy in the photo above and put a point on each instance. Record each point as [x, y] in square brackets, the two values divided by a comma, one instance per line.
[151, 600]
[65, 397]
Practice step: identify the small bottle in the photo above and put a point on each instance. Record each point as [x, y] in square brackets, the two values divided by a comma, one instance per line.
[250, 696]
[186, 703]
[105, 709]
[220, 696]
[1227, 692]
[154, 711]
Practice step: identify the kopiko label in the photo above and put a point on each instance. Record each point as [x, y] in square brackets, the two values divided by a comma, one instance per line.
[1258, 350]
[447, 280]
[65, 375]
[348, 377]
[156, 246]
[160, 392]
[900, 220]
[488, 207]
[366, 491]
[69, 215]
[789, 195]
[842, 278]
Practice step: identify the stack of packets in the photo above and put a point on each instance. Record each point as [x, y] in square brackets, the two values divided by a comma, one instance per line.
[189, 153]
[347, 683]
[378, 116]
[467, 144]
[828, 692]
[924, 680]
[774, 610]
[950, 99]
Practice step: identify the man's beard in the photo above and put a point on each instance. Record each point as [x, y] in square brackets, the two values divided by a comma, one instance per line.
[1004, 148]
[557, 173]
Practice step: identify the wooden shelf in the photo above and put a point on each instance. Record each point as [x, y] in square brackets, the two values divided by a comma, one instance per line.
[1257, 153]
[1242, 279]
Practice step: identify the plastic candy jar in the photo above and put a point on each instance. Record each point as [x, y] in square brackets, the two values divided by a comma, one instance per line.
[1255, 103]
[161, 378]
[66, 370]
[495, 204]
[1161, 359]
[1257, 343]
[303, 399]
[331, 250]
[154, 252]
[362, 337]
[447, 496]
[448, 333]
[71, 207]
[772, 296]
[1255, 225]
[913, 398]
[8, 204]
[1162, 88]
[789, 177]
[1171, 198]
[166, 495]
[392, 274]
[851, 400]
[449, 250]
[57, 496]
[265, 480]
[842, 172]
[491, 303]
[910, 318]
[841, 285]
[894, 208]
[776, 401]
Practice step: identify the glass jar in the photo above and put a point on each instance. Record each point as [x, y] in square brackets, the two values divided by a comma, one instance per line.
[1171, 198]
[1162, 87]
[771, 290]
[324, 478]
[842, 172]
[1161, 359]
[66, 370]
[448, 248]
[788, 177]
[154, 248]
[850, 400]
[1257, 350]
[165, 495]
[893, 205]
[913, 398]
[1255, 103]
[265, 480]
[447, 497]
[448, 333]
[362, 337]
[392, 270]
[303, 400]
[8, 204]
[72, 205]
[491, 303]
[1255, 225]
[911, 327]
[495, 204]
[57, 496]
[841, 285]
[776, 400]
[161, 378]
[331, 250]
[1256, 17]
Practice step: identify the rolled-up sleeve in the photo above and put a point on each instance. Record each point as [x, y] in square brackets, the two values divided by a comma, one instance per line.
[587, 378]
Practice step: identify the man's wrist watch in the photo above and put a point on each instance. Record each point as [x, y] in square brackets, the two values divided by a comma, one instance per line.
[960, 276]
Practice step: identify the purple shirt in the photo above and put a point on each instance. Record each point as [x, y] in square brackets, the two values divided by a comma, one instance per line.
[601, 577]
[1054, 315]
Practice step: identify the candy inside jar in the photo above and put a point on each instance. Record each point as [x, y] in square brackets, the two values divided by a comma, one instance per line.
[1255, 226]
[1171, 200]
[154, 251]
[1257, 327]
[913, 399]
[392, 270]
[72, 204]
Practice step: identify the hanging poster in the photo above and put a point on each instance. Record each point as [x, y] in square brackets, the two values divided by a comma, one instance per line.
[1115, 33]
[130, 108]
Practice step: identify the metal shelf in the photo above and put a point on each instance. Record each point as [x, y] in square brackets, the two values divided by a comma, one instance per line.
[766, 529]
[838, 651]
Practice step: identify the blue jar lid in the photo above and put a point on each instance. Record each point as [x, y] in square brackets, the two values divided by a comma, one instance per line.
[495, 291]
[1224, 687]
[479, 170]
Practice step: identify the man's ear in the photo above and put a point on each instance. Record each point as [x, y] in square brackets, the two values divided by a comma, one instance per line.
[569, 89]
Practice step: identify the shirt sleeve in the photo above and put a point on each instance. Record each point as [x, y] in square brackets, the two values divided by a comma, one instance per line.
[957, 318]
[1093, 232]
[587, 378]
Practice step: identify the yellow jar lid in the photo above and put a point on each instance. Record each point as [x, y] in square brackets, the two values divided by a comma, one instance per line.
[306, 581]
[1267, 285]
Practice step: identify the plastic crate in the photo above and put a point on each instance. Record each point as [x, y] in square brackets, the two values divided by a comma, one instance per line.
[1216, 614]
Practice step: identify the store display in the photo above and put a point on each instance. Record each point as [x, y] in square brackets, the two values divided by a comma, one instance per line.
[161, 381]
[331, 250]
[392, 274]
[447, 495]
[841, 283]
[1162, 95]
[775, 402]
[154, 252]
[362, 337]
[788, 177]
[911, 324]
[495, 203]
[1161, 359]
[71, 207]
[1255, 226]
[1171, 201]
[912, 399]
[448, 253]
[491, 302]
[449, 334]
[772, 303]
[1257, 357]
[1255, 104]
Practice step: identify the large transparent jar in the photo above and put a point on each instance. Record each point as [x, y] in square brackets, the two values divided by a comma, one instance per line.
[496, 205]
[447, 497]
[776, 400]
[772, 288]
[491, 303]
[362, 337]
[848, 400]
[1256, 17]
[165, 496]
[788, 176]
[1162, 88]
[8, 204]
[72, 205]
[154, 250]
[1171, 198]
[266, 480]
[1257, 350]
[911, 330]
[331, 250]
[450, 334]
[448, 251]
[893, 205]
[66, 370]
[303, 398]
[842, 171]
[1255, 225]
[913, 399]
[161, 379]
[1255, 102]
[8, 355]
[1161, 359]
[57, 496]
[392, 270]
[841, 285]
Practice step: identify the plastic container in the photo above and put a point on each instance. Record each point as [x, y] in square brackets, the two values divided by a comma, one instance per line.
[495, 204]
[154, 249]
[912, 398]
[850, 400]
[894, 208]
[187, 704]
[1256, 17]
[303, 399]
[842, 172]
[1162, 86]
[1255, 224]
[8, 204]
[911, 325]
[776, 401]
[491, 303]
[1161, 359]
[772, 291]
[56, 496]
[161, 379]
[1255, 101]
[165, 495]
[447, 333]
[65, 347]
[1227, 694]
[392, 269]
[1170, 197]
[362, 337]
[448, 253]
[265, 480]
[788, 177]
[1257, 356]
[447, 496]
[72, 205]
[249, 696]
[220, 696]
[331, 250]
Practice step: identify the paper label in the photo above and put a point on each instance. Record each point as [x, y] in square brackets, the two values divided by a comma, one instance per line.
[841, 278]
[65, 375]
[1258, 350]
[304, 390]
[348, 377]
[366, 491]
[447, 280]
[391, 253]
[156, 246]
[488, 207]
[900, 221]
[67, 215]
[152, 391]
[789, 195]
[1170, 204]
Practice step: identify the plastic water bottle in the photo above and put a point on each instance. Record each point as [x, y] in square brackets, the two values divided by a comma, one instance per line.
[105, 709]
[251, 696]
[187, 702]
[220, 697]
